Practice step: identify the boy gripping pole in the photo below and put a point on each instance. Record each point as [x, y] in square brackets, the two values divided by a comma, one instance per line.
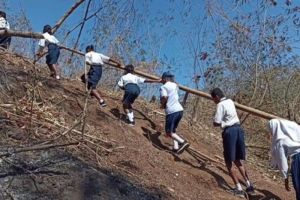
[53, 51]
[286, 143]
[4, 40]
[96, 61]
[233, 140]
[174, 111]
[129, 83]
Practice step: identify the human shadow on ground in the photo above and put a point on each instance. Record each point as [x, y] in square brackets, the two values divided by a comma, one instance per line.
[121, 116]
[156, 142]
[154, 139]
[202, 164]
[116, 112]
[145, 117]
[264, 195]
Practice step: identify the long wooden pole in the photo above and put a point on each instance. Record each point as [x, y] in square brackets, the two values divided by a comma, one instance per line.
[239, 106]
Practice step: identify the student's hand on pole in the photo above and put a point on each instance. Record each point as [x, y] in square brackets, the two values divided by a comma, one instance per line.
[287, 186]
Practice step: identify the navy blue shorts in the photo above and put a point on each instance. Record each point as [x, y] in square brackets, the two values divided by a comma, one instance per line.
[132, 91]
[53, 54]
[295, 169]
[234, 143]
[172, 121]
[5, 41]
[94, 76]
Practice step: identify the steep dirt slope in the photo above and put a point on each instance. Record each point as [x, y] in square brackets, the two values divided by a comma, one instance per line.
[113, 160]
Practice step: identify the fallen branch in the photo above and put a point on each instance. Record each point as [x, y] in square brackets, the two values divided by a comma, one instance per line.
[191, 151]
[37, 148]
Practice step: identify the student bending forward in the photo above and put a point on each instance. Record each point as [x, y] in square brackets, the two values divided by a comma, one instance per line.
[286, 143]
[129, 82]
[96, 61]
[233, 139]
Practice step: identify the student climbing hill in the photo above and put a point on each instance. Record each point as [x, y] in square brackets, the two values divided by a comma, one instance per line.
[233, 140]
[129, 82]
[53, 50]
[4, 40]
[96, 61]
[174, 111]
[286, 144]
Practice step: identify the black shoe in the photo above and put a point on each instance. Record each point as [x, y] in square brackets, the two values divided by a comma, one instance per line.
[182, 147]
[250, 190]
[174, 151]
[238, 193]
[132, 123]
[102, 104]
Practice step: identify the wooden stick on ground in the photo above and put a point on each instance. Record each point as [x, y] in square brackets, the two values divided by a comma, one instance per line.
[191, 150]
[37, 148]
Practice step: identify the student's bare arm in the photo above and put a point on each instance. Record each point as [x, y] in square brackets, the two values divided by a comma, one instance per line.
[114, 61]
[40, 51]
[163, 102]
[216, 124]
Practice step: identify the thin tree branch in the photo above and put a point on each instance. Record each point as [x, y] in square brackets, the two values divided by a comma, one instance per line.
[81, 28]
[66, 15]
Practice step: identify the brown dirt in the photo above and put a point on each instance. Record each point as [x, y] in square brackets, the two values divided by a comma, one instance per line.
[140, 156]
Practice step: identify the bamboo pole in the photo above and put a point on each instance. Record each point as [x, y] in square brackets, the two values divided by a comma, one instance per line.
[239, 106]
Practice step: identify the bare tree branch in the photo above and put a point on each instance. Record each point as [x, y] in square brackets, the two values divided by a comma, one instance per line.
[81, 28]
[66, 15]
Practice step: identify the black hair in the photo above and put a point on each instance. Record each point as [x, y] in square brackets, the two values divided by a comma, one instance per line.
[129, 68]
[3, 14]
[89, 48]
[47, 29]
[217, 92]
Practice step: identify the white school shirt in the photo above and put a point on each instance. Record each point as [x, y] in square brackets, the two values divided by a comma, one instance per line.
[130, 78]
[94, 58]
[4, 23]
[170, 90]
[226, 114]
[48, 39]
[285, 143]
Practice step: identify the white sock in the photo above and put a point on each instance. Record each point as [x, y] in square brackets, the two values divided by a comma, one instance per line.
[176, 145]
[239, 187]
[177, 138]
[132, 116]
[248, 183]
[129, 117]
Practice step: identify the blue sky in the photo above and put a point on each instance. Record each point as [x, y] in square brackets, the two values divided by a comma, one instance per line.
[43, 11]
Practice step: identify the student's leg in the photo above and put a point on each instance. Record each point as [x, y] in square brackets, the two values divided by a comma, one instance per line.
[229, 146]
[94, 76]
[96, 94]
[241, 155]
[52, 70]
[170, 127]
[295, 169]
[232, 173]
[242, 171]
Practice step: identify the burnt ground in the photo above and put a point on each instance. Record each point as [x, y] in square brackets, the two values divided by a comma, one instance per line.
[112, 160]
